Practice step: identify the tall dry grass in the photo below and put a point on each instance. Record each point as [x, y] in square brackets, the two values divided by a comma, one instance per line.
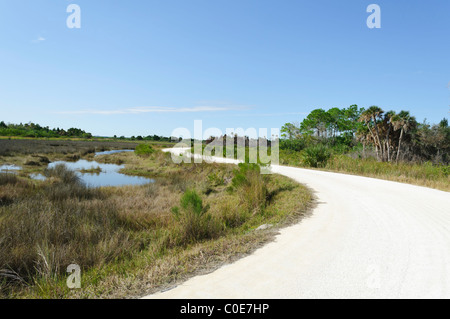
[251, 187]
[58, 224]
[424, 174]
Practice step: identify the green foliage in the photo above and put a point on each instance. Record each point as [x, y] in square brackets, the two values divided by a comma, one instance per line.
[35, 130]
[243, 175]
[251, 186]
[215, 180]
[192, 202]
[144, 150]
[388, 136]
[316, 156]
[290, 131]
[195, 223]
[296, 145]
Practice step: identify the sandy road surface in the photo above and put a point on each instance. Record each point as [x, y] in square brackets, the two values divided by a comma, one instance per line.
[367, 238]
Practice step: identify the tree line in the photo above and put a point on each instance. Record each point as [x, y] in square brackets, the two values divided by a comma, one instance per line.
[35, 130]
[155, 138]
[391, 136]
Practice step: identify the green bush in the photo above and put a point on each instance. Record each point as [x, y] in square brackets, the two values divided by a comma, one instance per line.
[250, 184]
[144, 150]
[316, 156]
[195, 223]
[293, 145]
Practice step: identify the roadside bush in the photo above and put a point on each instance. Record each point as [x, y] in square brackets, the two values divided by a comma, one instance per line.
[144, 150]
[250, 184]
[316, 156]
[231, 215]
[195, 223]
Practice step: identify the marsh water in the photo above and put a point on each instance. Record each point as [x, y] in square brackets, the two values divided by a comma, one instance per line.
[108, 176]
[9, 168]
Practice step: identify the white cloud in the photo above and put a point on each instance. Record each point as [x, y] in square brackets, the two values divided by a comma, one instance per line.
[39, 39]
[154, 109]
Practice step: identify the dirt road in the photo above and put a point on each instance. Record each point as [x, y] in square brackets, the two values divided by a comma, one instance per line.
[367, 238]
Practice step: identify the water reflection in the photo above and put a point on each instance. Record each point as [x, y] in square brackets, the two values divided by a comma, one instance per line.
[9, 168]
[108, 176]
[112, 152]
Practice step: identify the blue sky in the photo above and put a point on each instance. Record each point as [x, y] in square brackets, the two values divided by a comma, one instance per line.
[148, 67]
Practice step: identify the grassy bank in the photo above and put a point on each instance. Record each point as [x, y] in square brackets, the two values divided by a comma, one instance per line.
[421, 174]
[134, 240]
[324, 158]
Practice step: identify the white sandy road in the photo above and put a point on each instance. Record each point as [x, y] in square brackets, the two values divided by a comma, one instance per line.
[367, 238]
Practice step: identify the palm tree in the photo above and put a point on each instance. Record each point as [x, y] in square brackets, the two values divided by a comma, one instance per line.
[388, 118]
[403, 121]
[371, 115]
[362, 135]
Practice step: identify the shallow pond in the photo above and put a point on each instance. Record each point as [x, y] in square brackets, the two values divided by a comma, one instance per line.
[108, 176]
[9, 168]
[112, 152]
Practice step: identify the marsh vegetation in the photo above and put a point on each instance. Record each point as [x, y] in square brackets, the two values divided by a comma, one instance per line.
[133, 240]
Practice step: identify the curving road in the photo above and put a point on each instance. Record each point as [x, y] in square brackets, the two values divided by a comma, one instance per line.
[367, 238]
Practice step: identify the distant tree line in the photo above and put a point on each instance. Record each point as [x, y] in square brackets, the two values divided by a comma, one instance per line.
[35, 130]
[392, 136]
[156, 138]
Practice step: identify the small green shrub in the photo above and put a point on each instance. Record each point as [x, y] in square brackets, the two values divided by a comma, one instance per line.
[144, 150]
[250, 184]
[195, 223]
[316, 156]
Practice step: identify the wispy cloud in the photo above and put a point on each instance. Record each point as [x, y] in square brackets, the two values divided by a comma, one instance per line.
[272, 114]
[39, 39]
[154, 109]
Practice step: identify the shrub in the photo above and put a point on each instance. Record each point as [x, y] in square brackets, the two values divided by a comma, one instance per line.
[195, 223]
[316, 156]
[63, 173]
[144, 150]
[250, 184]
[296, 145]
